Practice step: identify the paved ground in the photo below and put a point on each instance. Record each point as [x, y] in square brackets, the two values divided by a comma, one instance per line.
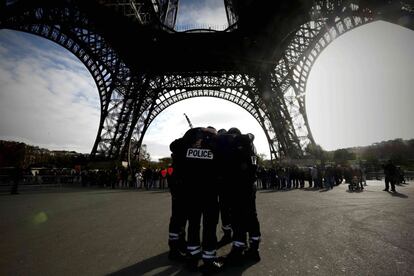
[61, 231]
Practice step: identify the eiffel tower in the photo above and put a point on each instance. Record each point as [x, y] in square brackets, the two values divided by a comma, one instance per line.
[141, 65]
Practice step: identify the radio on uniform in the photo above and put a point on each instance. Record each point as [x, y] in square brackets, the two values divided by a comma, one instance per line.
[254, 160]
[199, 153]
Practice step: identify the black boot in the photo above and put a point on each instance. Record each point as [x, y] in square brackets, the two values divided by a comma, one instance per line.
[182, 243]
[235, 257]
[252, 253]
[192, 259]
[176, 253]
[211, 267]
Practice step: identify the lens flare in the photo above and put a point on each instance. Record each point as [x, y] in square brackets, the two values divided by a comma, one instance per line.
[40, 218]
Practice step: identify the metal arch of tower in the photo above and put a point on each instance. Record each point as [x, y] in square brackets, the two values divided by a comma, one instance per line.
[236, 88]
[230, 12]
[294, 82]
[330, 19]
[334, 28]
[117, 86]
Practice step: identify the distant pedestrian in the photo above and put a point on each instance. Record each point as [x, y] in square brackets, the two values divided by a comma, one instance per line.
[390, 171]
[314, 177]
[138, 179]
[329, 178]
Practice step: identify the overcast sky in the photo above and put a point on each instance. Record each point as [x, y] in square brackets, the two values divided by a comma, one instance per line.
[360, 91]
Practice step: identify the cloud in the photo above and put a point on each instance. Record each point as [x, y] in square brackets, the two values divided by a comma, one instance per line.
[201, 13]
[3, 50]
[48, 98]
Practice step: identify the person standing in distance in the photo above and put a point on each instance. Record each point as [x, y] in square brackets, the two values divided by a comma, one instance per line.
[390, 171]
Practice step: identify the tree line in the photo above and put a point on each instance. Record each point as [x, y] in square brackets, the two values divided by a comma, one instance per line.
[373, 156]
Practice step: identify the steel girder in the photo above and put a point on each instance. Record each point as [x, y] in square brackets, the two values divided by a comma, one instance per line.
[146, 12]
[329, 20]
[274, 96]
[230, 12]
[168, 12]
[168, 90]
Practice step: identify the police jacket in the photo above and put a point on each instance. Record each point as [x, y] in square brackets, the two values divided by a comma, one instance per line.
[194, 157]
[244, 159]
[225, 152]
[176, 178]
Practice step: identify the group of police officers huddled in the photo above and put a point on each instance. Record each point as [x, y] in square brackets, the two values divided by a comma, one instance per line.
[209, 166]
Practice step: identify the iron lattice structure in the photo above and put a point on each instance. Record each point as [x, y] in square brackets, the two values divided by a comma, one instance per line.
[141, 65]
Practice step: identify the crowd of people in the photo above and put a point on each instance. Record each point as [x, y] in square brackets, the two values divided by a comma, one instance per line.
[280, 177]
[317, 177]
[208, 166]
[122, 177]
[324, 177]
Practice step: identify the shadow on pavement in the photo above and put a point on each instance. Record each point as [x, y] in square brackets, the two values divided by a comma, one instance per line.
[236, 270]
[160, 266]
[311, 189]
[114, 191]
[355, 191]
[402, 184]
[272, 191]
[158, 191]
[151, 265]
[397, 194]
[281, 190]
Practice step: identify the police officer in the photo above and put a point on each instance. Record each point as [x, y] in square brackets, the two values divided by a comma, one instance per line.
[199, 176]
[224, 143]
[178, 219]
[243, 205]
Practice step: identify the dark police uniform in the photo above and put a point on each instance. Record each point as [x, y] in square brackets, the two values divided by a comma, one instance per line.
[224, 152]
[199, 176]
[243, 205]
[178, 219]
